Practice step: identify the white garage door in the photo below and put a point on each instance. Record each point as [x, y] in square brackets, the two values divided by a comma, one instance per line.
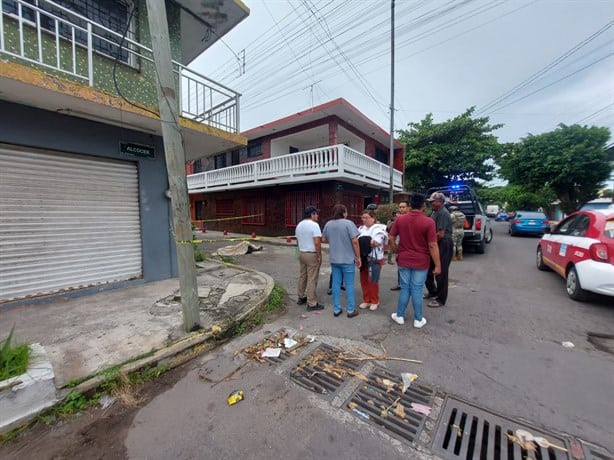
[66, 222]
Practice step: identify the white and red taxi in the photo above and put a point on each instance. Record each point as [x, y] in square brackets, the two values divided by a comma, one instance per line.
[581, 250]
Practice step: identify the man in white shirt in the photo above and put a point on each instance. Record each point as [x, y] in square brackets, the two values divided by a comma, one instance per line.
[309, 239]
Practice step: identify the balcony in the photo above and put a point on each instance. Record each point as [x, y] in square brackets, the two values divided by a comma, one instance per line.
[50, 40]
[336, 162]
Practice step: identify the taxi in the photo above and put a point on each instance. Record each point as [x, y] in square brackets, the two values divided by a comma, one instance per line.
[581, 250]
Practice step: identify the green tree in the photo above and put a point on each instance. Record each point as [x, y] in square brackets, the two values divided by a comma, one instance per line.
[516, 197]
[571, 161]
[461, 149]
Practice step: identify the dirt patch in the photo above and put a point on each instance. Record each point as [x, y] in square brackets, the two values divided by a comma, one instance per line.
[94, 434]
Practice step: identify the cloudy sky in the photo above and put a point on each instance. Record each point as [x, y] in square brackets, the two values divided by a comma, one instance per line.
[529, 64]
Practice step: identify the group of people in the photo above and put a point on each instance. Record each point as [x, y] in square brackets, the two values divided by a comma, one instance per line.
[423, 246]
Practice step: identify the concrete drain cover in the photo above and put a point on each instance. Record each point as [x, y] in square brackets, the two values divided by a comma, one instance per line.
[324, 370]
[466, 431]
[380, 400]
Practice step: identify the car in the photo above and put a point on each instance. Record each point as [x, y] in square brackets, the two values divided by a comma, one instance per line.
[599, 203]
[581, 250]
[501, 216]
[529, 223]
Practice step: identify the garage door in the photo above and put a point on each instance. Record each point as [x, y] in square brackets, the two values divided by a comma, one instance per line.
[66, 222]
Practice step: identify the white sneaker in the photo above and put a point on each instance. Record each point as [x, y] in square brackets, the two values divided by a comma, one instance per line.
[373, 306]
[397, 319]
[363, 305]
[419, 324]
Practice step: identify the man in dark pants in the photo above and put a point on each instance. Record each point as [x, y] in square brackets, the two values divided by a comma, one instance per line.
[437, 285]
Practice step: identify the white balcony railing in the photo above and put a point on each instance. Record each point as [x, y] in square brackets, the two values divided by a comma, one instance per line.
[336, 162]
[54, 37]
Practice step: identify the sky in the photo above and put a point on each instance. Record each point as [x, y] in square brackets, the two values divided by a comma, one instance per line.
[527, 64]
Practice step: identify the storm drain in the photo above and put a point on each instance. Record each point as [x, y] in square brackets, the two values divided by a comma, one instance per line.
[592, 452]
[324, 370]
[274, 342]
[381, 400]
[468, 432]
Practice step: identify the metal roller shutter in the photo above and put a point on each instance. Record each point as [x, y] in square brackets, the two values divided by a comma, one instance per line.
[66, 222]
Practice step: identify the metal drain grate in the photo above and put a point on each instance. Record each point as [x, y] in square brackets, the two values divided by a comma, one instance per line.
[324, 370]
[384, 404]
[468, 432]
[273, 341]
[592, 452]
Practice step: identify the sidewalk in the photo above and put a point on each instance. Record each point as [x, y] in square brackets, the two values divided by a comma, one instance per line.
[140, 325]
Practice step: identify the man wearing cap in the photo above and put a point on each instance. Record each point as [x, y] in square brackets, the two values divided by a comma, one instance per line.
[458, 231]
[309, 239]
[437, 285]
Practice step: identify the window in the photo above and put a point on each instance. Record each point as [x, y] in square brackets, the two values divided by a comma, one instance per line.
[254, 150]
[220, 161]
[224, 208]
[198, 210]
[198, 166]
[235, 157]
[354, 202]
[293, 149]
[110, 14]
[296, 202]
[254, 211]
[382, 156]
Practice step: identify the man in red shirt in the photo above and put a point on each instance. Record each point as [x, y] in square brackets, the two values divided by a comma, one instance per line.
[416, 247]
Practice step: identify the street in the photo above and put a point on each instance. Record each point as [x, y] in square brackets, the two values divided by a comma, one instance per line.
[497, 343]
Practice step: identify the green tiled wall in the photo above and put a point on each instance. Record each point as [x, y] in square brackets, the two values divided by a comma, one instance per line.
[134, 83]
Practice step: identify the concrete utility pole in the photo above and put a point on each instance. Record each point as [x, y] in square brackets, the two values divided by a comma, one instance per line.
[175, 162]
[391, 100]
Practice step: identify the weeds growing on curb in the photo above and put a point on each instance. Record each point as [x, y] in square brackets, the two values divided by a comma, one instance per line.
[13, 359]
[274, 304]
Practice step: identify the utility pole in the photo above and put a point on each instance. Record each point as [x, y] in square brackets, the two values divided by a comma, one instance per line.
[175, 162]
[391, 100]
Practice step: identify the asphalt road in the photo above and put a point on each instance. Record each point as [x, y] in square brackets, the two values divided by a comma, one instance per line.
[498, 343]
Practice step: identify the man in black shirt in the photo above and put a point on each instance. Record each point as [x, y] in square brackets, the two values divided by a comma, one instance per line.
[437, 285]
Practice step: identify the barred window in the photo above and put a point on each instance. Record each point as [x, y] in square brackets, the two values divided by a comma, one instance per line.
[254, 209]
[224, 208]
[296, 202]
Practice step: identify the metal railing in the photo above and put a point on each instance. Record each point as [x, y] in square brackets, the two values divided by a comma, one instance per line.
[333, 162]
[52, 37]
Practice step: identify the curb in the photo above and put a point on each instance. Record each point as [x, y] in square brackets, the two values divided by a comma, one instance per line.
[179, 352]
[178, 349]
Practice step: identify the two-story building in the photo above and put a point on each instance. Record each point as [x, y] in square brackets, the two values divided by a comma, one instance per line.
[83, 179]
[322, 156]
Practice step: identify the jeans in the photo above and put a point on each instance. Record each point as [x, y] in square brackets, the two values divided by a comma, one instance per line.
[343, 272]
[412, 282]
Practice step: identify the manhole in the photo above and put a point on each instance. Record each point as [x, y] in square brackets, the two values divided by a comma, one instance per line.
[380, 400]
[324, 370]
[468, 432]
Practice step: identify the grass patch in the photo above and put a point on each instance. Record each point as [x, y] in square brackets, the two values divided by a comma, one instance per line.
[13, 359]
[258, 317]
[228, 260]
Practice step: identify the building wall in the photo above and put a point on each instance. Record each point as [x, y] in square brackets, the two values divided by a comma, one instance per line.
[135, 83]
[326, 194]
[29, 127]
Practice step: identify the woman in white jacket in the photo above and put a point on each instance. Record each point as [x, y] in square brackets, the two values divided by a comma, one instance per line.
[369, 274]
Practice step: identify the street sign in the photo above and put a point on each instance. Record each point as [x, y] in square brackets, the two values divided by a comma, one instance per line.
[137, 150]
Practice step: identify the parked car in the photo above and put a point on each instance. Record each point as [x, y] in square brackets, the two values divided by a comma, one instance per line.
[581, 250]
[502, 216]
[529, 223]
